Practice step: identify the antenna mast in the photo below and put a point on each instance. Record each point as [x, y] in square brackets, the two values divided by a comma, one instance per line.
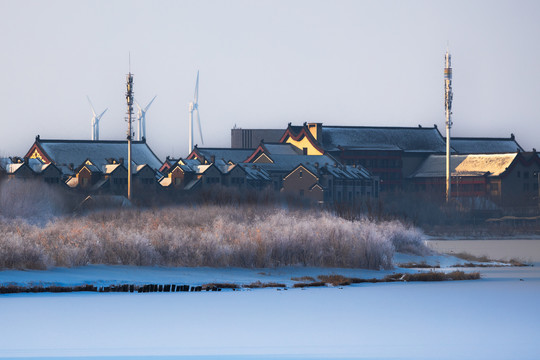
[129, 101]
[448, 109]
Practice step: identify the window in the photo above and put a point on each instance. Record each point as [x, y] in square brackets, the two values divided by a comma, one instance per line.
[300, 174]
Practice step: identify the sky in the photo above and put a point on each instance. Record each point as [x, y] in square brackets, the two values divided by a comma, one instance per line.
[264, 64]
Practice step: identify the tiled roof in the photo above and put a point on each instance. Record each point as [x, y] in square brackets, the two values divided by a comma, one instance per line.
[286, 163]
[465, 165]
[254, 172]
[226, 154]
[417, 139]
[484, 145]
[282, 149]
[65, 152]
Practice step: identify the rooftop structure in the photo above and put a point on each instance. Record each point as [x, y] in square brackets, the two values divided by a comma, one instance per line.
[466, 165]
[466, 145]
[75, 152]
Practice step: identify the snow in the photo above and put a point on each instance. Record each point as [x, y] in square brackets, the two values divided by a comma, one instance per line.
[496, 317]
[466, 165]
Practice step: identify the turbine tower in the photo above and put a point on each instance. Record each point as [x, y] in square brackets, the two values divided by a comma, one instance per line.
[448, 109]
[194, 106]
[141, 119]
[95, 120]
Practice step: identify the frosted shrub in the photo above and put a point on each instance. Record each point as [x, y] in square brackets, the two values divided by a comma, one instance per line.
[409, 240]
[205, 236]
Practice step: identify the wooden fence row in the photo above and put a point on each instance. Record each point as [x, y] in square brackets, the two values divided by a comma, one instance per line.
[131, 288]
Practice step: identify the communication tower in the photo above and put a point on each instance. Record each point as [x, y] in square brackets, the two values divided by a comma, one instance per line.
[448, 110]
[129, 101]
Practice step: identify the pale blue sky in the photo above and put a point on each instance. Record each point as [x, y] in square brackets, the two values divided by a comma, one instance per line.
[264, 64]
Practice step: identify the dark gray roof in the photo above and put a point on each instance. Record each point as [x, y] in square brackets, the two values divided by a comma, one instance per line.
[282, 149]
[286, 163]
[65, 152]
[485, 145]
[226, 154]
[410, 139]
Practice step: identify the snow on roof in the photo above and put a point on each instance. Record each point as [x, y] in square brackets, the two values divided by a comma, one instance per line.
[65, 152]
[11, 168]
[383, 138]
[226, 154]
[190, 162]
[72, 182]
[109, 168]
[200, 169]
[466, 165]
[165, 181]
[484, 145]
[139, 167]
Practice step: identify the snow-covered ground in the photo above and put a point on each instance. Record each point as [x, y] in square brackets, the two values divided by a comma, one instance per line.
[496, 317]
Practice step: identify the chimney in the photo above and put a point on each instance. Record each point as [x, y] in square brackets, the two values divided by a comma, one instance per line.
[304, 151]
[121, 160]
[213, 159]
[316, 130]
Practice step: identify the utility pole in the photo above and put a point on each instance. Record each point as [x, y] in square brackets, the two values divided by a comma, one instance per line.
[448, 109]
[129, 100]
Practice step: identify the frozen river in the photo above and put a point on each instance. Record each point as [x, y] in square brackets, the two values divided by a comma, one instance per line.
[524, 250]
[496, 317]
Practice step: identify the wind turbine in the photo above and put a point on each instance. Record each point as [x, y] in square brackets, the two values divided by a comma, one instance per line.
[95, 120]
[141, 119]
[194, 106]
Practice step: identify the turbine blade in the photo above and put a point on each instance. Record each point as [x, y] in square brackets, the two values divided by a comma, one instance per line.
[150, 103]
[92, 106]
[136, 103]
[196, 96]
[199, 124]
[99, 117]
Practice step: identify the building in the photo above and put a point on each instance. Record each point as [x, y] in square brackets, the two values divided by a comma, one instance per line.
[96, 167]
[69, 154]
[506, 179]
[390, 153]
[250, 138]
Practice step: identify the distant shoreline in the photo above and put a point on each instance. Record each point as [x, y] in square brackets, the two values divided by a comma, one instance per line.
[481, 237]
